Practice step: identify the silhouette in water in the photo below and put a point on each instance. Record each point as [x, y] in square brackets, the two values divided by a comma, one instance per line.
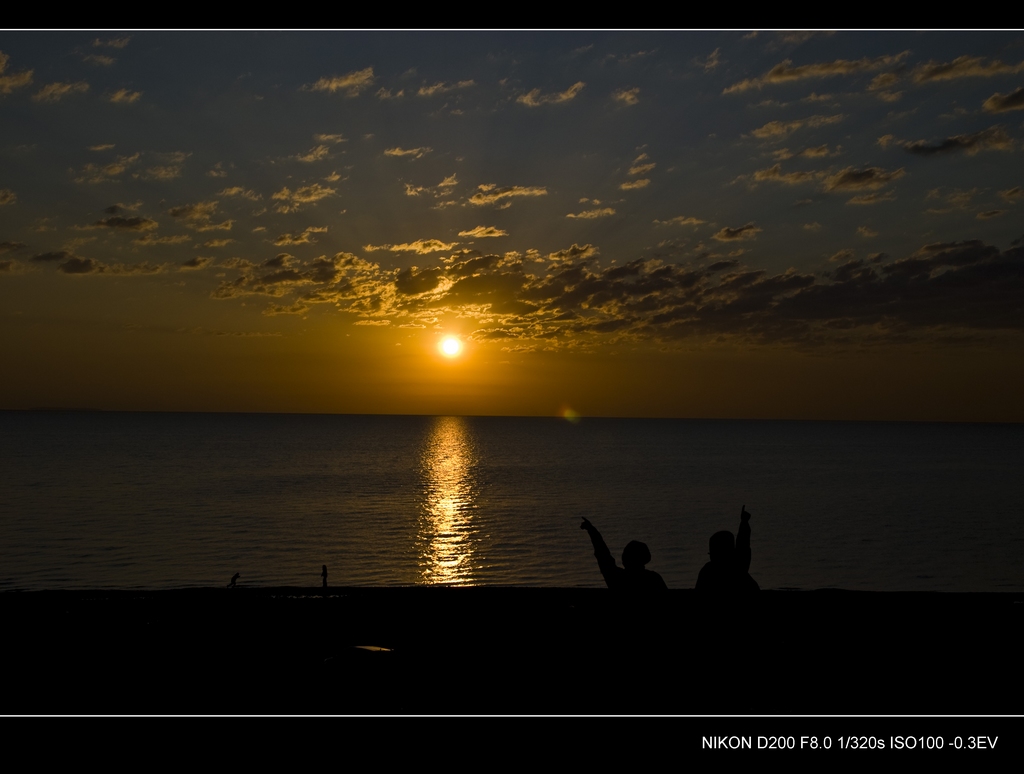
[728, 572]
[323, 575]
[234, 579]
[635, 577]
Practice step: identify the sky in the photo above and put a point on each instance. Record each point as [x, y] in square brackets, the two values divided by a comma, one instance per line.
[766, 225]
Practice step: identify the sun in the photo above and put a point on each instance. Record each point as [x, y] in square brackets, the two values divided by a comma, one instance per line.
[450, 346]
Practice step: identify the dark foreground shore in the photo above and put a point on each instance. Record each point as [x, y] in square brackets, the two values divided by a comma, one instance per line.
[509, 651]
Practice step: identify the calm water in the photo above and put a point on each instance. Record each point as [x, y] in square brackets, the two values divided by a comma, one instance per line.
[92, 500]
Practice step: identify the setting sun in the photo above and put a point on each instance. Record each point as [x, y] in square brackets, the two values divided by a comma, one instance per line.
[450, 346]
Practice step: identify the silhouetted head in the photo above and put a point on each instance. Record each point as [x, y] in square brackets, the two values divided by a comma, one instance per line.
[635, 555]
[721, 546]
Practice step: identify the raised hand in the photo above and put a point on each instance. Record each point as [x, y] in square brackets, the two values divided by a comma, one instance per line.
[744, 516]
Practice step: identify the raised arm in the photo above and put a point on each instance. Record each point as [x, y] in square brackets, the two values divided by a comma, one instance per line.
[604, 557]
[743, 542]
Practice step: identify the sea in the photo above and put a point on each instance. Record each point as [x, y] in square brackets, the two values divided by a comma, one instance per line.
[110, 500]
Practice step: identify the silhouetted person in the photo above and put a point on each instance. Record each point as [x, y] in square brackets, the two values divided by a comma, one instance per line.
[635, 577]
[234, 579]
[324, 575]
[728, 572]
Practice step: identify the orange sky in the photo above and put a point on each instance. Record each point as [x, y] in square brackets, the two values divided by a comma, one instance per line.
[772, 225]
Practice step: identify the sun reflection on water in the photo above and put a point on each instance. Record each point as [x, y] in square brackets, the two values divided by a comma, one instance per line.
[446, 527]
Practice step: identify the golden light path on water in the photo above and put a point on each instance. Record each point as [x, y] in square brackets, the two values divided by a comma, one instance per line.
[446, 525]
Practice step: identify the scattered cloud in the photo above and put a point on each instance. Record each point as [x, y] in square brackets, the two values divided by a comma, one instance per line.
[492, 194]
[866, 232]
[53, 92]
[1000, 103]
[858, 179]
[291, 201]
[108, 146]
[784, 72]
[483, 231]
[11, 81]
[535, 99]
[442, 87]
[169, 172]
[99, 59]
[1012, 194]
[963, 67]
[779, 129]
[314, 154]
[749, 231]
[199, 216]
[812, 226]
[119, 223]
[630, 185]
[7, 196]
[872, 198]
[124, 96]
[641, 169]
[416, 153]
[59, 255]
[199, 262]
[603, 212]
[96, 173]
[989, 214]
[152, 239]
[680, 220]
[383, 93]
[884, 81]
[304, 237]
[351, 84]
[217, 171]
[993, 138]
[420, 247]
[712, 61]
[113, 42]
[334, 139]
[10, 247]
[627, 96]
[238, 190]
[775, 174]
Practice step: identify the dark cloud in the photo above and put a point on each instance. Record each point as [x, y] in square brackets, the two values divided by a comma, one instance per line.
[718, 266]
[196, 263]
[776, 174]
[963, 67]
[785, 72]
[60, 255]
[858, 179]
[76, 265]
[1000, 103]
[748, 231]
[10, 247]
[412, 281]
[126, 224]
[966, 285]
[994, 137]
